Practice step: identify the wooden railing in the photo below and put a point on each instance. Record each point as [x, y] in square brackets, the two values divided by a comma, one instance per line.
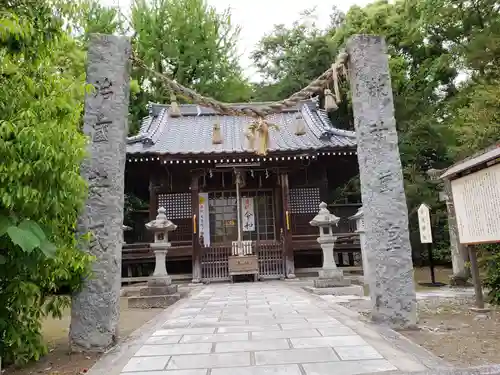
[214, 262]
[215, 265]
[271, 259]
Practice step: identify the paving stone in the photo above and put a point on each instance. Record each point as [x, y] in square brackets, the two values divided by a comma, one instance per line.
[222, 337]
[258, 370]
[162, 340]
[336, 331]
[307, 325]
[188, 311]
[184, 331]
[251, 346]
[279, 357]
[325, 319]
[260, 314]
[174, 349]
[209, 361]
[266, 321]
[232, 318]
[348, 367]
[227, 323]
[247, 328]
[352, 353]
[173, 372]
[332, 341]
[146, 364]
[176, 325]
[284, 334]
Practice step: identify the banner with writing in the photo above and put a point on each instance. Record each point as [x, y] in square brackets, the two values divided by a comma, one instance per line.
[203, 220]
[247, 214]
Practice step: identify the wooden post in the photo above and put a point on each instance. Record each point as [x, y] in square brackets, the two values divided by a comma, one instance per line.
[289, 259]
[195, 201]
[153, 206]
[478, 290]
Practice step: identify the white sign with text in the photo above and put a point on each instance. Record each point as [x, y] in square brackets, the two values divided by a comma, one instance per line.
[424, 224]
[477, 205]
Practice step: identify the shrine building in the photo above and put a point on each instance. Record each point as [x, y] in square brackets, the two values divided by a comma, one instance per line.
[206, 170]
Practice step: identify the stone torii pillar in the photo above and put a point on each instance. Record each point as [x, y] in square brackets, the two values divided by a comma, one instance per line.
[388, 249]
[95, 309]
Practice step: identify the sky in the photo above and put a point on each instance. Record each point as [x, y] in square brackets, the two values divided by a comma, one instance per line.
[257, 17]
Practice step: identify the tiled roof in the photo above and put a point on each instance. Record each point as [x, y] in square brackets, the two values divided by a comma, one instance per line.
[192, 132]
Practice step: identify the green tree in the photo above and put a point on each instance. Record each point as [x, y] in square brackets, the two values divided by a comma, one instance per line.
[41, 149]
[421, 72]
[290, 58]
[190, 42]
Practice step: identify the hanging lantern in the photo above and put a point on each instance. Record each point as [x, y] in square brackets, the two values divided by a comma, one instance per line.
[216, 134]
[174, 110]
[300, 125]
[330, 102]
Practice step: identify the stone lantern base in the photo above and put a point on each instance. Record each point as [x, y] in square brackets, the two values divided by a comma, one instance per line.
[330, 278]
[351, 290]
[333, 282]
[160, 292]
[158, 296]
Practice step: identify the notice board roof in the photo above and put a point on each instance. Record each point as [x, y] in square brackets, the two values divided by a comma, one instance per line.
[476, 160]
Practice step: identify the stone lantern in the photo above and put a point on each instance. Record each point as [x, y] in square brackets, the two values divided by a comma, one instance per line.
[330, 278]
[360, 228]
[329, 275]
[160, 291]
[160, 227]
[125, 228]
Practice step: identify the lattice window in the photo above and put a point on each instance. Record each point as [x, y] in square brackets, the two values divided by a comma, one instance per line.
[223, 214]
[178, 205]
[304, 200]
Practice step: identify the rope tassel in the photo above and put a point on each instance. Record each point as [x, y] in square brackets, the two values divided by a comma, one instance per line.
[300, 126]
[330, 102]
[174, 110]
[216, 134]
[263, 130]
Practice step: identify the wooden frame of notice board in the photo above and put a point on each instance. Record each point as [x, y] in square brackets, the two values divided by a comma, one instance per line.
[475, 188]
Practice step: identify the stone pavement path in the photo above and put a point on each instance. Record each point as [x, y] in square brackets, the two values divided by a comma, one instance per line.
[254, 329]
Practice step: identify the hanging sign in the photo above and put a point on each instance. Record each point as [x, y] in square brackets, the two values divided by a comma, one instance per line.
[247, 214]
[203, 222]
[424, 224]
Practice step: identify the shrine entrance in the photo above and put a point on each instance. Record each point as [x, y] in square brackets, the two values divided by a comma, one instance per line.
[259, 236]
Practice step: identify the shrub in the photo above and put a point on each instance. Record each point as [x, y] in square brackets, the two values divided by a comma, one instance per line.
[490, 261]
[41, 191]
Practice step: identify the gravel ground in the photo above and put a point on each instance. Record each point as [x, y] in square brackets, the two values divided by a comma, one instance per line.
[451, 331]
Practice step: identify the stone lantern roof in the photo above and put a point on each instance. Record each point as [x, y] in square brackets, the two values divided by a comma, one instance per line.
[161, 223]
[358, 215]
[324, 217]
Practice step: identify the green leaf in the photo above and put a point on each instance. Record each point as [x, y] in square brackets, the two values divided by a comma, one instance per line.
[5, 223]
[33, 227]
[48, 248]
[26, 240]
[3, 260]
